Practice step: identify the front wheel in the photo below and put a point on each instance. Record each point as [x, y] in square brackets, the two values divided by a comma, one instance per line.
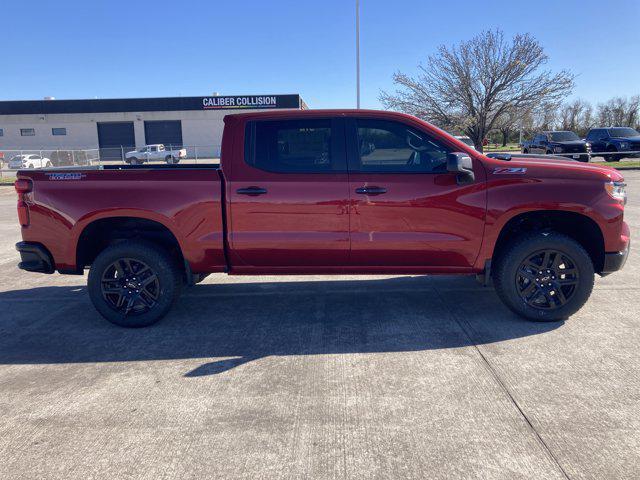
[544, 276]
[134, 283]
[612, 158]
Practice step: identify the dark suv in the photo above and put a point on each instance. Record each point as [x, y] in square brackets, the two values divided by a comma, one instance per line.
[614, 143]
[565, 144]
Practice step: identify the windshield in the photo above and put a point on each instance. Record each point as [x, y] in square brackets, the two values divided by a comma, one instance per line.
[563, 136]
[624, 132]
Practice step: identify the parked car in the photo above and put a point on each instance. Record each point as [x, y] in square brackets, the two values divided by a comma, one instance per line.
[155, 152]
[465, 139]
[296, 195]
[562, 143]
[614, 143]
[29, 161]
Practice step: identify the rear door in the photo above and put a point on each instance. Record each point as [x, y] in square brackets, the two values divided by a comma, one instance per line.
[288, 195]
[406, 209]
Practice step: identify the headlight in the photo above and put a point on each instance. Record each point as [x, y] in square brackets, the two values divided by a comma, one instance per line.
[588, 145]
[617, 190]
[624, 145]
[558, 149]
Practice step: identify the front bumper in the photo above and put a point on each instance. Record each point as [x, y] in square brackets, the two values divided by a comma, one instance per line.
[615, 261]
[580, 156]
[34, 258]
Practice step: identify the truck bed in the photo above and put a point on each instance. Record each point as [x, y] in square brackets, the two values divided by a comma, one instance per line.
[185, 199]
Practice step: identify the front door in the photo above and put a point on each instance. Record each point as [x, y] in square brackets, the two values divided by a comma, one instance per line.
[289, 197]
[406, 209]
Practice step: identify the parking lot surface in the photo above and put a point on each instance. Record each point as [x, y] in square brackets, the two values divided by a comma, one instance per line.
[318, 377]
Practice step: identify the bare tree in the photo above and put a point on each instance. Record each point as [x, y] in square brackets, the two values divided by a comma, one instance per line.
[576, 116]
[619, 112]
[470, 86]
[508, 122]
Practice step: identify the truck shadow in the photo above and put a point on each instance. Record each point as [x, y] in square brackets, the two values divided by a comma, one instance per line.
[231, 324]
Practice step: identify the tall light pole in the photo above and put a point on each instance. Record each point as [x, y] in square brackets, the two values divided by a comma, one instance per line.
[358, 53]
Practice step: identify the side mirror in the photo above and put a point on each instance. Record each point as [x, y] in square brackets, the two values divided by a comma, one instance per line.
[461, 164]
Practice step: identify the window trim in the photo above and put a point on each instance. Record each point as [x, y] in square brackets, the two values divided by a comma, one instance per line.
[353, 154]
[338, 148]
[22, 134]
[53, 131]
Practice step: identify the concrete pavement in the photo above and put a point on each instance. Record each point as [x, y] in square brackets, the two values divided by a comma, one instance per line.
[318, 377]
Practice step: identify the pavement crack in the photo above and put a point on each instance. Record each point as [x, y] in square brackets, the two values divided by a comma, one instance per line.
[466, 328]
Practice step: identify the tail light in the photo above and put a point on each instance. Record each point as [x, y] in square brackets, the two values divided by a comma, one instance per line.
[24, 186]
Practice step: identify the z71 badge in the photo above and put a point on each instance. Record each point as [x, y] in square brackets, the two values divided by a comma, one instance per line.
[65, 176]
[508, 170]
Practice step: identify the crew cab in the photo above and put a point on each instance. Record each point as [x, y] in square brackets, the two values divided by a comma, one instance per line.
[562, 143]
[157, 152]
[615, 143]
[327, 192]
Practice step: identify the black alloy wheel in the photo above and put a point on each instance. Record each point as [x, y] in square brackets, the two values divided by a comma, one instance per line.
[130, 286]
[543, 275]
[547, 279]
[134, 283]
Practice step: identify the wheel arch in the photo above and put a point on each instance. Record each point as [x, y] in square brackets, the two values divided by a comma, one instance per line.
[578, 226]
[99, 233]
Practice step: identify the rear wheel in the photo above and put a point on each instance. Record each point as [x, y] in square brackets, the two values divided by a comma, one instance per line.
[134, 283]
[544, 276]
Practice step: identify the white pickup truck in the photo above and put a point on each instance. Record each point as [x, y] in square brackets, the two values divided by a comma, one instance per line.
[155, 152]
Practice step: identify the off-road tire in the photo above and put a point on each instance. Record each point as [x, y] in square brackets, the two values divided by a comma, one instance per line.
[509, 262]
[158, 260]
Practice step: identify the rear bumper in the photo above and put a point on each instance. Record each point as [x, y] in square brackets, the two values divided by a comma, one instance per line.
[615, 261]
[34, 258]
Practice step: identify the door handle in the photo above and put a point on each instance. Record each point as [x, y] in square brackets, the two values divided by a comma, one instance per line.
[371, 190]
[253, 191]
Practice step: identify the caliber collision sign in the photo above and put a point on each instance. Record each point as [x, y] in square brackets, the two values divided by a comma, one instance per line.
[249, 101]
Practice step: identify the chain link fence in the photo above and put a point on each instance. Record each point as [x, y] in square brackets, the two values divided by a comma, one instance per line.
[11, 160]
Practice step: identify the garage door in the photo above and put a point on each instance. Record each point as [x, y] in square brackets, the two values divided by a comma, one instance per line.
[114, 138]
[168, 132]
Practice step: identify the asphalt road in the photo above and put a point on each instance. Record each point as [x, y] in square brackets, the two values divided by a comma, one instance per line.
[318, 377]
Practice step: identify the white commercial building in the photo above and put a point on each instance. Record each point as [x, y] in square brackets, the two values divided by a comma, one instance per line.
[114, 126]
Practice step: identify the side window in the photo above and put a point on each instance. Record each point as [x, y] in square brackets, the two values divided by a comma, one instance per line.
[388, 146]
[292, 146]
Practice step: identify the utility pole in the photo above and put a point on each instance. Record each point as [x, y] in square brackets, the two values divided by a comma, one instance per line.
[358, 54]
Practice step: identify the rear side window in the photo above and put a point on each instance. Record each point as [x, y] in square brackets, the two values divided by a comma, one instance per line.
[387, 146]
[291, 146]
[594, 134]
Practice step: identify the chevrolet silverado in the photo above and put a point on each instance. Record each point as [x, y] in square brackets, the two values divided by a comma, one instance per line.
[327, 192]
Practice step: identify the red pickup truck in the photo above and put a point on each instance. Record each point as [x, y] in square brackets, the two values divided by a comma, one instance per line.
[327, 192]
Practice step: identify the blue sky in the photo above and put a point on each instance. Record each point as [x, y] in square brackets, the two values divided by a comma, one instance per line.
[135, 48]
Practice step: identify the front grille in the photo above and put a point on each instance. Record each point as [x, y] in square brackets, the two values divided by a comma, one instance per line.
[574, 148]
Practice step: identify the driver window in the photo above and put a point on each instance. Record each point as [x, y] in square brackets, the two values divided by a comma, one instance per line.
[387, 146]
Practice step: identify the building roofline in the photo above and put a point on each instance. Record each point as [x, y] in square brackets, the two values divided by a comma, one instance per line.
[151, 104]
